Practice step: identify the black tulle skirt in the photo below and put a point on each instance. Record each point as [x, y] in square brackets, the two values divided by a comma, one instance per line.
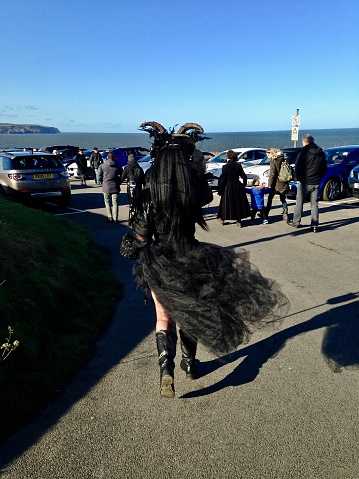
[213, 293]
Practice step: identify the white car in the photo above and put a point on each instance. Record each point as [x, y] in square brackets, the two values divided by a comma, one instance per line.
[245, 155]
[145, 162]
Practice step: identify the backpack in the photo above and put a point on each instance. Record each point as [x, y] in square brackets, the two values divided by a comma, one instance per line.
[285, 173]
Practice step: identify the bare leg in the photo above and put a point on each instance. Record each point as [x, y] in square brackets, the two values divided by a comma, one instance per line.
[163, 320]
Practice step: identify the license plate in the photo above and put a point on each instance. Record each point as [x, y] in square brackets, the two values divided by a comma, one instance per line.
[356, 186]
[43, 175]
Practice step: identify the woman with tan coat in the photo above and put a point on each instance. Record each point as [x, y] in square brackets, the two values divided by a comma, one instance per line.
[277, 187]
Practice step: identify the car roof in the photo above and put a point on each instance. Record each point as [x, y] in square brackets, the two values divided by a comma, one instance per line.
[336, 148]
[26, 153]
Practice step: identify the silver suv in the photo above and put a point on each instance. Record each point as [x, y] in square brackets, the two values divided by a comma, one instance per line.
[28, 174]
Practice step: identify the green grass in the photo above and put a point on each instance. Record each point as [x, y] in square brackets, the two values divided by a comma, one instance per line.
[58, 296]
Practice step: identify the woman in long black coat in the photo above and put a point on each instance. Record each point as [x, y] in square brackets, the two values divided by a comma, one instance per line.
[81, 162]
[234, 202]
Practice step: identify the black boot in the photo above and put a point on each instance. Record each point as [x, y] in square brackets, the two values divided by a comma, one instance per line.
[189, 349]
[166, 347]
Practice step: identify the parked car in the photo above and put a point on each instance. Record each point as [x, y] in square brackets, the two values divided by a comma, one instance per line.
[341, 160]
[215, 164]
[26, 175]
[262, 169]
[64, 152]
[146, 161]
[122, 153]
[353, 181]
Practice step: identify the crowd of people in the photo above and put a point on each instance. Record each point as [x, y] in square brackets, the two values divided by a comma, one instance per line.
[310, 167]
[233, 189]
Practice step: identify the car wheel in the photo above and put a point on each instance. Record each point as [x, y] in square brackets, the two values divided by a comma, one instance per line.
[332, 190]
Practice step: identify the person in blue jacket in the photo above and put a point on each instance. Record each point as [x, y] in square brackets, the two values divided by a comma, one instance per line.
[257, 193]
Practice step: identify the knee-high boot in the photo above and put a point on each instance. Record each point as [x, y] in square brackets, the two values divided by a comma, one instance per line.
[166, 347]
[189, 349]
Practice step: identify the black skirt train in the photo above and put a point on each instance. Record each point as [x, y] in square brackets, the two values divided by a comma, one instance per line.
[213, 293]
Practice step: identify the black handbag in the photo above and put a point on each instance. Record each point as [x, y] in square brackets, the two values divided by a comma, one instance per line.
[128, 247]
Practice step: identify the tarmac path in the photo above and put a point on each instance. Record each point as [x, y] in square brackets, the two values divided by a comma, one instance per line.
[284, 406]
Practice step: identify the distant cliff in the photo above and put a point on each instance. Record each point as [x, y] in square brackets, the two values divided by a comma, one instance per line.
[22, 129]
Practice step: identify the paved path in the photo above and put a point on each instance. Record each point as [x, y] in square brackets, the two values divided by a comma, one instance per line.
[284, 406]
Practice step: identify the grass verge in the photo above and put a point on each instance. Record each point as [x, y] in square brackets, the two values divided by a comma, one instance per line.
[57, 295]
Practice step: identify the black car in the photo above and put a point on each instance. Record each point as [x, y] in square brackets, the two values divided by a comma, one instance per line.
[64, 152]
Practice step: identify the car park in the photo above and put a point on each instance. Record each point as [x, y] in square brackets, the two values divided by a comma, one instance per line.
[261, 170]
[215, 164]
[26, 174]
[340, 160]
[353, 182]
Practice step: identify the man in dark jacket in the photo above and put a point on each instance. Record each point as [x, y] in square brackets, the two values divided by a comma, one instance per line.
[95, 161]
[109, 174]
[135, 177]
[310, 168]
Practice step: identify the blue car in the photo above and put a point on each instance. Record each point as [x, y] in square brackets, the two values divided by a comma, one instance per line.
[121, 154]
[341, 160]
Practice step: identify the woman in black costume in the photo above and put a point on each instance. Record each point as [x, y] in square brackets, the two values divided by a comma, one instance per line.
[213, 294]
[234, 202]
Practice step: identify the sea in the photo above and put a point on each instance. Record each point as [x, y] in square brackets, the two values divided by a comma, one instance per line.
[218, 142]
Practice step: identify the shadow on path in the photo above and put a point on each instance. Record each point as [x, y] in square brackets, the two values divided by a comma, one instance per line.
[340, 346]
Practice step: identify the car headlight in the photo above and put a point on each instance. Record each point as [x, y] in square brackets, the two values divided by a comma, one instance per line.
[266, 173]
[351, 174]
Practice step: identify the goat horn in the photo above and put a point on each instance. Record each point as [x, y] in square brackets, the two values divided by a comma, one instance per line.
[190, 126]
[148, 125]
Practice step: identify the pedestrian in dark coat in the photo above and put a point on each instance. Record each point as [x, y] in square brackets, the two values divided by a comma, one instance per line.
[234, 202]
[135, 177]
[109, 174]
[95, 161]
[81, 162]
[310, 167]
[277, 187]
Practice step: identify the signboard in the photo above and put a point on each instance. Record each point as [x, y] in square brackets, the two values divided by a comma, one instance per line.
[295, 120]
[295, 132]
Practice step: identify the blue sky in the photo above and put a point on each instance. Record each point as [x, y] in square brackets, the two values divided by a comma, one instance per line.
[230, 65]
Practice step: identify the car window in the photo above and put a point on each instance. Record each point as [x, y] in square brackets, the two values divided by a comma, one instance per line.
[247, 156]
[142, 152]
[220, 158]
[265, 161]
[290, 156]
[335, 157]
[144, 159]
[258, 154]
[34, 162]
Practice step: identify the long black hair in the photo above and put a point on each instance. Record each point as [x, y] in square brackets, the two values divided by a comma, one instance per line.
[174, 194]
